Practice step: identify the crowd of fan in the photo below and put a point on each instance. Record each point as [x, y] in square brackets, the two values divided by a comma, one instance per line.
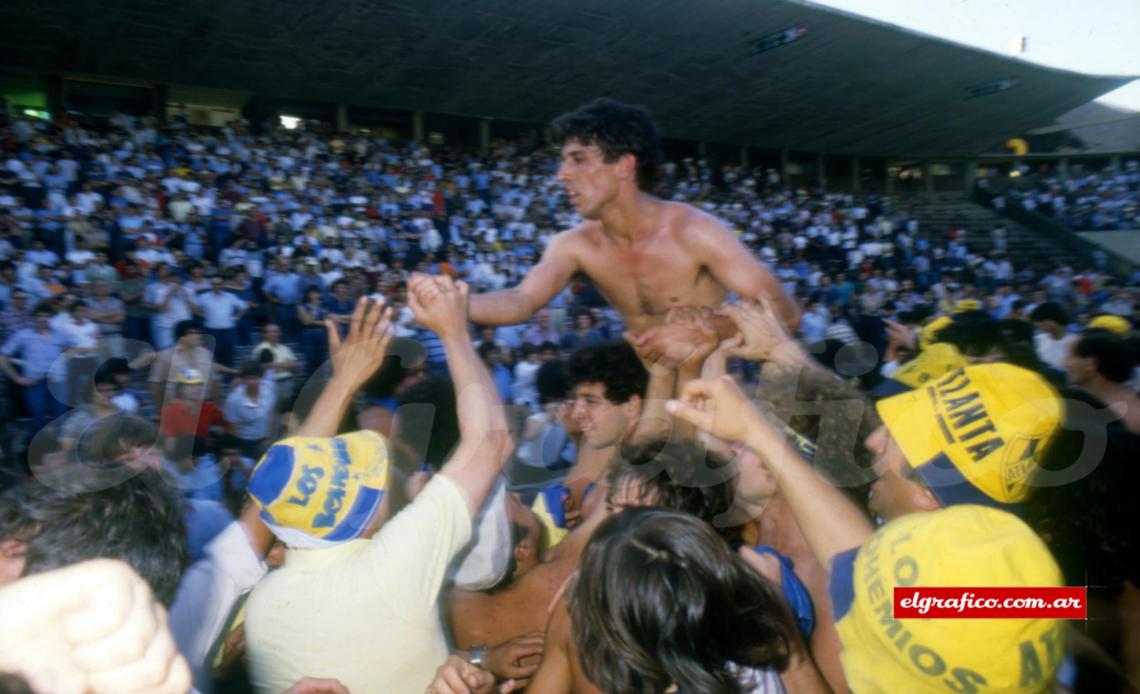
[241, 275]
[1083, 200]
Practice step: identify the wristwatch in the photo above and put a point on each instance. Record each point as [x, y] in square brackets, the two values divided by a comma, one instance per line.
[476, 654]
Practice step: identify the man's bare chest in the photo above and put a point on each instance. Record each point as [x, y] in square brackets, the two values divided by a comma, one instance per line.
[645, 281]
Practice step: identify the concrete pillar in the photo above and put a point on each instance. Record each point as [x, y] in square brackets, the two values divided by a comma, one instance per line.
[969, 173]
[418, 127]
[784, 166]
[856, 175]
[342, 118]
[820, 173]
[927, 180]
[485, 135]
[744, 157]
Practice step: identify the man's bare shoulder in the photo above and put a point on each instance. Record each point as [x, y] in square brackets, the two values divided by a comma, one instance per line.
[693, 221]
[575, 237]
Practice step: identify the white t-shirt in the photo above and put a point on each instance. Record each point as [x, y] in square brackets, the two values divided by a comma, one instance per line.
[85, 335]
[366, 611]
[177, 310]
[1053, 352]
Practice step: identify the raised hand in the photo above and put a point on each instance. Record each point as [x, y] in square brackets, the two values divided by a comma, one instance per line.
[439, 303]
[719, 407]
[89, 627]
[762, 333]
[361, 352]
[457, 676]
[670, 345]
[705, 338]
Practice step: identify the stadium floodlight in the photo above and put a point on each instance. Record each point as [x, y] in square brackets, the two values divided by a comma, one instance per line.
[290, 122]
[778, 39]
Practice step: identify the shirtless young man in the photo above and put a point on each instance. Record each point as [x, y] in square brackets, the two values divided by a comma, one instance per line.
[646, 255]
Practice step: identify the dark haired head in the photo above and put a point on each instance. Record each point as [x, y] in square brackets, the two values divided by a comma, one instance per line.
[974, 333]
[105, 377]
[183, 327]
[616, 129]
[1049, 311]
[660, 600]
[61, 522]
[1115, 355]
[676, 475]
[114, 437]
[613, 364]
[426, 424]
[552, 382]
[254, 369]
[1089, 523]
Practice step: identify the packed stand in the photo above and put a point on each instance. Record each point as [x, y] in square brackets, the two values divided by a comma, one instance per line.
[1084, 201]
[260, 341]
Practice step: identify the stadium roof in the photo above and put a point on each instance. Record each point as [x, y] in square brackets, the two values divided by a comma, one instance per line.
[772, 73]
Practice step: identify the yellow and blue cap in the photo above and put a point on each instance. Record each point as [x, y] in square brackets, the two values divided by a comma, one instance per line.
[931, 363]
[548, 507]
[967, 546]
[976, 434]
[317, 492]
[189, 377]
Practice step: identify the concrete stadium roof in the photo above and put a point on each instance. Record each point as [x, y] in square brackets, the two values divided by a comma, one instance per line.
[847, 85]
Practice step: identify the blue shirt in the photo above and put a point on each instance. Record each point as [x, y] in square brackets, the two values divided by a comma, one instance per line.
[502, 378]
[220, 308]
[39, 351]
[436, 354]
[286, 288]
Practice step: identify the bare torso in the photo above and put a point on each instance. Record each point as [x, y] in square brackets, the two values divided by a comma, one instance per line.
[643, 277]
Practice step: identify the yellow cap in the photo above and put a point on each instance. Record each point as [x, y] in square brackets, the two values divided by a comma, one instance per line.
[315, 492]
[931, 363]
[929, 334]
[964, 305]
[975, 435]
[1116, 324]
[968, 546]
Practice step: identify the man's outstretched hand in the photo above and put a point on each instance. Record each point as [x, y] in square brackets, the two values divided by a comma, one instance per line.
[762, 333]
[684, 340]
[720, 407]
[361, 352]
[439, 303]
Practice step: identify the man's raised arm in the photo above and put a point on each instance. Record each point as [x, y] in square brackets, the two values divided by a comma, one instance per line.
[539, 286]
[831, 522]
[484, 439]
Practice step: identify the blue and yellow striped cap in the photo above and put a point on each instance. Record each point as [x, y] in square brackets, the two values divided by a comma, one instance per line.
[317, 492]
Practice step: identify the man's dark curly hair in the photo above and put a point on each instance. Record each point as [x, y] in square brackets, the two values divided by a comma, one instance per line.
[61, 522]
[679, 475]
[616, 129]
[613, 364]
